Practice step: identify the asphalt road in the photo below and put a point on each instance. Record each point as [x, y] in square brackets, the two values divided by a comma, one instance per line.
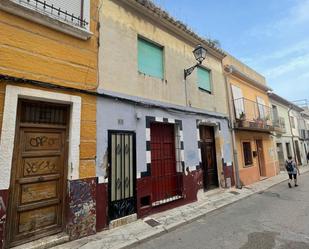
[275, 219]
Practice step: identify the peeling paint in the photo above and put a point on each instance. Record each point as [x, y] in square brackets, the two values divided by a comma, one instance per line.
[3, 208]
[82, 208]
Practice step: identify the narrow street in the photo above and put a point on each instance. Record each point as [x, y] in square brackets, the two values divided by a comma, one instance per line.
[275, 219]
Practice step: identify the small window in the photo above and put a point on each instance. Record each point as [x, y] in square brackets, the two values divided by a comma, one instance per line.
[247, 153]
[203, 79]
[150, 58]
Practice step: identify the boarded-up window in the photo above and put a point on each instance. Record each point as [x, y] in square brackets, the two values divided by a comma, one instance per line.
[204, 79]
[150, 59]
[247, 153]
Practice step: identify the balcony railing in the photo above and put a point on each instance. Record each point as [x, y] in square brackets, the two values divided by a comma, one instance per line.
[279, 124]
[304, 134]
[251, 115]
[50, 9]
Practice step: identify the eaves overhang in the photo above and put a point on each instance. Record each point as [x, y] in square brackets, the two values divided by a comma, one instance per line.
[285, 102]
[229, 69]
[156, 14]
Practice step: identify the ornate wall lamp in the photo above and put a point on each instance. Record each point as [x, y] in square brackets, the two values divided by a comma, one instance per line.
[200, 55]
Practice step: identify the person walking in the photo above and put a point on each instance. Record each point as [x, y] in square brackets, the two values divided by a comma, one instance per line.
[292, 169]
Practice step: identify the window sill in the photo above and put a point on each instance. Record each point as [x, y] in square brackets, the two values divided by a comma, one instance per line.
[151, 76]
[248, 166]
[205, 91]
[44, 19]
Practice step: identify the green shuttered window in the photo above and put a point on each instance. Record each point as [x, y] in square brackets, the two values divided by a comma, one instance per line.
[203, 79]
[150, 59]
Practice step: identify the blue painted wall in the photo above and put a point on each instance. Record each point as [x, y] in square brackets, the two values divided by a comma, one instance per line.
[118, 115]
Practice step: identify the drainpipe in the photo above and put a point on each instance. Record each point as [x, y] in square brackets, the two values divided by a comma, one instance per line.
[291, 129]
[186, 91]
[231, 114]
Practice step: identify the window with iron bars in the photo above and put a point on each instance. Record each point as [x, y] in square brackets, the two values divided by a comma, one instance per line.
[70, 11]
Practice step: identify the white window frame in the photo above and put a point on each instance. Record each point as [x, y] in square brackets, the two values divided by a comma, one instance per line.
[51, 21]
[12, 94]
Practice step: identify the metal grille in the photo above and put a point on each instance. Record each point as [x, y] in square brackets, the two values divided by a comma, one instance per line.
[167, 188]
[122, 170]
[55, 11]
[122, 194]
[43, 113]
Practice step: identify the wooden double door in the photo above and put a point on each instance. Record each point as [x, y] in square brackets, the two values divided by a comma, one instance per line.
[209, 162]
[36, 205]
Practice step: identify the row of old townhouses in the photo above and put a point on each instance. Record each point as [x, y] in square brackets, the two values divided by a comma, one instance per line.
[107, 116]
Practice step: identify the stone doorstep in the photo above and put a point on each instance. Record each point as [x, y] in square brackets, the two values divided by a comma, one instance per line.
[46, 242]
[122, 221]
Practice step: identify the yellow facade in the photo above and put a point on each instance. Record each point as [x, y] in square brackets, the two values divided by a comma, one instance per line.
[252, 89]
[35, 52]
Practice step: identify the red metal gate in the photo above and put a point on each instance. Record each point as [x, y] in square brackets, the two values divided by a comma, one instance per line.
[166, 183]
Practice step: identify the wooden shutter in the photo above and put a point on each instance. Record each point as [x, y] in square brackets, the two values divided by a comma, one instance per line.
[261, 107]
[238, 101]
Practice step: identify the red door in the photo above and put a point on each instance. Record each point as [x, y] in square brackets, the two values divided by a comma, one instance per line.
[163, 161]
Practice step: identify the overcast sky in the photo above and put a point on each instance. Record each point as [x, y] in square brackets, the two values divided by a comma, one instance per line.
[271, 36]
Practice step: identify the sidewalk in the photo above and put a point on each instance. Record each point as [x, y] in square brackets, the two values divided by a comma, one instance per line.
[128, 236]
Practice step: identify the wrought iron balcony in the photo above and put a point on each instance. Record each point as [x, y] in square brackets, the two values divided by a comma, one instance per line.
[279, 125]
[304, 134]
[54, 11]
[250, 115]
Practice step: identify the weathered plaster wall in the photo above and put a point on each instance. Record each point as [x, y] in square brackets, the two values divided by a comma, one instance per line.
[250, 174]
[81, 211]
[32, 51]
[118, 61]
[110, 111]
